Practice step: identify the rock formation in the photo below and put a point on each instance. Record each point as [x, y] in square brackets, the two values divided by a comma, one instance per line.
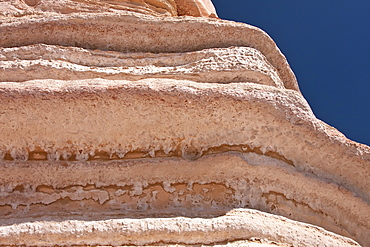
[153, 123]
[199, 8]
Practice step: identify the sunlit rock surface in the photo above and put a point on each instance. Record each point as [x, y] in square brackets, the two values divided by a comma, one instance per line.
[155, 123]
[198, 8]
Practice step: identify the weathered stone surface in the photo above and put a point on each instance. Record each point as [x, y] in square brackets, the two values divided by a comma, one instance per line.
[217, 65]
[198, 8]
[116, 120]
[234, 226]
[131, 32]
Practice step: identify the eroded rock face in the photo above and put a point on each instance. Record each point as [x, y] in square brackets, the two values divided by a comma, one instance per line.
[197, 8]
[122, 127]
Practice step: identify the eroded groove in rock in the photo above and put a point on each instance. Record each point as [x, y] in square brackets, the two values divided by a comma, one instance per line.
[210, 186]
[38, 154]
[234, 64]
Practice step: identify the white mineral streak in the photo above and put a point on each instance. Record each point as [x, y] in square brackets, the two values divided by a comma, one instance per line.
[122, 123]
[218, 65]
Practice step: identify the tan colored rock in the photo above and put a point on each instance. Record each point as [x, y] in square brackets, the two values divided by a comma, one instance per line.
[232, 227]
[217, 65]
[132, 32]
[198, 8]
[120, 126]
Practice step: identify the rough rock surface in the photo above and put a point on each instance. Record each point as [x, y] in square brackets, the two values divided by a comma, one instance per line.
[198, 8]
[124, 124]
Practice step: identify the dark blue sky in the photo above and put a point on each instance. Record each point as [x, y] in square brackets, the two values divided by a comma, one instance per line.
[327, 44]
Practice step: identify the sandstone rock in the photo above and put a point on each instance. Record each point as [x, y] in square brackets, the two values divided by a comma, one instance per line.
[197, 8]
[217, 65]
[236, 225]
[120, 126]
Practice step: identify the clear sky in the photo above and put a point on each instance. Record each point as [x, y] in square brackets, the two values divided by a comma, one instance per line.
[327, 44]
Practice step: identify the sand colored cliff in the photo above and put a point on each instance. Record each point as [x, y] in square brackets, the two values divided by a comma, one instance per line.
[153, 123]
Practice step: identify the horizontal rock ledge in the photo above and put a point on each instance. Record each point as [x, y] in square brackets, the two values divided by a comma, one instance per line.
[237, 225]
[81, 117]
[169, 187]
[132, 32]
[244, 64]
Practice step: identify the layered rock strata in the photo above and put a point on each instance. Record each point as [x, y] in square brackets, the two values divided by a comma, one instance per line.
[114, 124]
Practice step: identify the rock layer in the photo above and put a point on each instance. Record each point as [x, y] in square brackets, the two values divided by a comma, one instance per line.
[217, 65]
[114, 124]
[198, 8]
[234, 226]
[129, 32]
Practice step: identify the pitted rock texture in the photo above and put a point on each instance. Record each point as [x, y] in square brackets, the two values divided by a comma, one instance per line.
[122, 124]
[198, 8]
